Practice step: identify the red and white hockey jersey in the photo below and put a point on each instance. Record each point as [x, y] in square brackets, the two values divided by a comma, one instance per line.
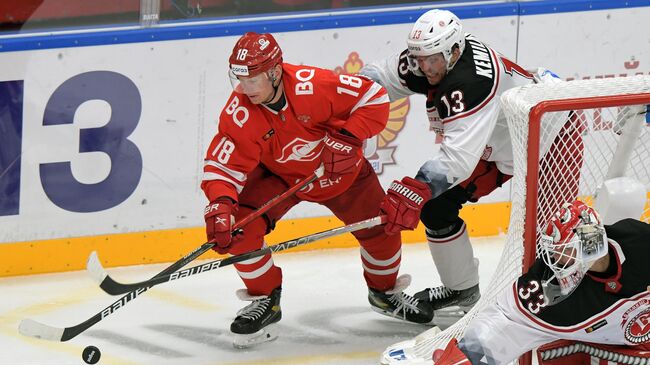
[610, 308]
[289, 142]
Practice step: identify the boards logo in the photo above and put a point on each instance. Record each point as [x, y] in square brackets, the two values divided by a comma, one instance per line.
[378, 149]
[637, 330]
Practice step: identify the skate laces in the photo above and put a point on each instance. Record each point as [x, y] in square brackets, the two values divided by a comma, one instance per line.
[255, 309]
[440, 292]
[404, 304]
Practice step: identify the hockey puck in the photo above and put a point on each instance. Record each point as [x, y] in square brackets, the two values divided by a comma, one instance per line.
[91, 355]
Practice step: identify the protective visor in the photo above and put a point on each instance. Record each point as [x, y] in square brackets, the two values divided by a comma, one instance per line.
[248, 84]
[430, 60]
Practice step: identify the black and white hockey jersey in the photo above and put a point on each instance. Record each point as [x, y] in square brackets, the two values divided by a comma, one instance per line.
[610, 308]
[463, 108]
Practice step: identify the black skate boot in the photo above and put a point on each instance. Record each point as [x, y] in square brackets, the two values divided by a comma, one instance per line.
[254, 322]
[395, 303]
[449, 305]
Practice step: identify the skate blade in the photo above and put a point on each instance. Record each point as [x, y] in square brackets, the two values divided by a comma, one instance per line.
[266, 334]
[445, 317]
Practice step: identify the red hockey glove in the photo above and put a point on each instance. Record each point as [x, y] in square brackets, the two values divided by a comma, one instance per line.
[218, 223]
[340, 155]
[403, 203]
[451, 355]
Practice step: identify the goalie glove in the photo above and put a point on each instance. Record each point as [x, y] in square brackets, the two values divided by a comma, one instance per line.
[403, 203]
[341, 154]
[219, 220]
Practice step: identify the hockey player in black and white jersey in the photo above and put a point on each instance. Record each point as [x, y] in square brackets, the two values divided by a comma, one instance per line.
[462, 79]
[589, 285]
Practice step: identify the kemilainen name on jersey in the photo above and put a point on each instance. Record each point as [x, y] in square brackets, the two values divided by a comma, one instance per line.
[481, 58]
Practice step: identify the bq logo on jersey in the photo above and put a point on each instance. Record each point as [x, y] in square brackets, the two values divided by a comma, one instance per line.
[377, 149]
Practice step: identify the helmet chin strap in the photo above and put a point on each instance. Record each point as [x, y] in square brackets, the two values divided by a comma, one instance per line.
[275, 90]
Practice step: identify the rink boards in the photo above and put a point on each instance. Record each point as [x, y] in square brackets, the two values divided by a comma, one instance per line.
[104, 131]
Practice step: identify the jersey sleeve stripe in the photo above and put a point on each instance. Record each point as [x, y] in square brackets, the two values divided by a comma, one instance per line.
[374, 90]
[233, 174]
[212, 176]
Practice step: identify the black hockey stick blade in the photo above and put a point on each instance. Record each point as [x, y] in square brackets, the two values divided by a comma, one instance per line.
[31, 328]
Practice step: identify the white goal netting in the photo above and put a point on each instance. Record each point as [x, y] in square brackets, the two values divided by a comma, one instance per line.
[590, 130]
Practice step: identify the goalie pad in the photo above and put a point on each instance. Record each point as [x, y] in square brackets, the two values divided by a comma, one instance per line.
[583, 353]
[404, 353]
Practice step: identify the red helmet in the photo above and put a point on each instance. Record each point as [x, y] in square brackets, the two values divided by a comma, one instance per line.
[254, 53]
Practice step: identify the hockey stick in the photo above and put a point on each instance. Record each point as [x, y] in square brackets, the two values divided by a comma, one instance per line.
[117, 287]
[29, 327]
[100, 277]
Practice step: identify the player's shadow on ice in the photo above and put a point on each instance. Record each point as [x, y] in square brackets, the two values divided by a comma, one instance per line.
[323, 327]
[359, 322]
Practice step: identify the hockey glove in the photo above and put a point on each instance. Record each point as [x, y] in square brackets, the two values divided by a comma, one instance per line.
[403, 203]
[341, 155]
[219, 220]
[452, 355]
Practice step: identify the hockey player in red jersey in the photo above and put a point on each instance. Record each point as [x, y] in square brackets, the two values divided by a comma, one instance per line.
[281, 123]
[589, 286]
[462, 79]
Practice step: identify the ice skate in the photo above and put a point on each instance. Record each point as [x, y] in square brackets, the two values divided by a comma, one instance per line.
[254, 323]
[449, 305]
[395, 303]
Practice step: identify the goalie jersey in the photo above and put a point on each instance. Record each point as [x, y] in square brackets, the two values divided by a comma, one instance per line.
[609, 308]
[463, 108]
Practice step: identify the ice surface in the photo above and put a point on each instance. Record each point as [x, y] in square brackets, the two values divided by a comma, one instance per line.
[326, 316]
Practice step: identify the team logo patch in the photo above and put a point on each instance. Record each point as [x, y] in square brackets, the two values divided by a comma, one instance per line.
[301, 150]
[263, 43]
[637, 330]
[303, 118]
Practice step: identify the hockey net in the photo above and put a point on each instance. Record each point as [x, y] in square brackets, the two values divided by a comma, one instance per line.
[567, 138]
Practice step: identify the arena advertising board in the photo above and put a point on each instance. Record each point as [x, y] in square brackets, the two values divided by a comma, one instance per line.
[110, 138]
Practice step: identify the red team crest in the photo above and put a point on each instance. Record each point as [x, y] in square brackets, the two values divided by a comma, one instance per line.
[637, 330]
[377, 149]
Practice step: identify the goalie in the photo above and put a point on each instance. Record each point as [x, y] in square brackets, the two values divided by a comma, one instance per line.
[589, 285]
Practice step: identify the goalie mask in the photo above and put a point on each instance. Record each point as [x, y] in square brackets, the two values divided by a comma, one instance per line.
[436, 31]
[573, 240]
[252, 61]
